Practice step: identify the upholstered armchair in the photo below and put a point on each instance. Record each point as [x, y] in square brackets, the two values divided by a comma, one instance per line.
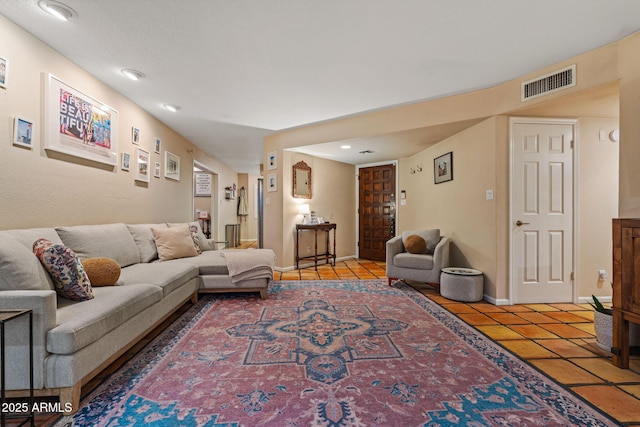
[426, 261]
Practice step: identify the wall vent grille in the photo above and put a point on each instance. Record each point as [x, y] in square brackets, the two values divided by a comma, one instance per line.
[549, 83]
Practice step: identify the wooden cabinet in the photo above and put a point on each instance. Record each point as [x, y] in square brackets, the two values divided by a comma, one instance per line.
[626, 286]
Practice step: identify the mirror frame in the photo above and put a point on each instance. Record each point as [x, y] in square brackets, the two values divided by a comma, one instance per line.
[301, 166]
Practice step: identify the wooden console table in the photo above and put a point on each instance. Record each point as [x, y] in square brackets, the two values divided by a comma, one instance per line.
[626, 286]
[327, 255]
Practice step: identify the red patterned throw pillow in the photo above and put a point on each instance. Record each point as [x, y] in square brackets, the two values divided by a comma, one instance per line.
[66, 270]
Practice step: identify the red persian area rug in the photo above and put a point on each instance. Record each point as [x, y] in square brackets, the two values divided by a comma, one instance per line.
[331, 354]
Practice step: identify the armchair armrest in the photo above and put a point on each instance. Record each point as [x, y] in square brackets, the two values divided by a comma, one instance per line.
[43, 304]
[441, 254]
[394, 247]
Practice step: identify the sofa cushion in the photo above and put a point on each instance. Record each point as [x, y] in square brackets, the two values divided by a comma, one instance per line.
[105, 240]
[208, 263]
[66, 270]
[174, 242]
[431, 237]
[161, 274]
[143, 237]
[407, 260]
[80, 324]
[20, 269]
[203, 243]
[101, 271]
[415, 244]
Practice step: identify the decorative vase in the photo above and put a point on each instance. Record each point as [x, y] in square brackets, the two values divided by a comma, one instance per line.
[603, 324]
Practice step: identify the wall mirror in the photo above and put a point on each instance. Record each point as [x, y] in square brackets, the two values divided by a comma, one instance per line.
[301, 180]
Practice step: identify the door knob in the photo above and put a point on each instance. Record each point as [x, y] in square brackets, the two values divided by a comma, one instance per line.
[520, 223]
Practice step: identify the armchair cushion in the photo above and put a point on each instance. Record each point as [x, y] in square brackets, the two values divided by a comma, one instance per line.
[431, 237]
[408, 260]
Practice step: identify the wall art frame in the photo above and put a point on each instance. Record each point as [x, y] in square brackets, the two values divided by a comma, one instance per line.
[156, 170]
[142, 165]
[23, 132]
[78, 124]
[443, 168]
[135, 135]
[272, 182]
[125, 162]
[157, 145]
[4, 72]
[171, 166]
[272, 160]
[202, 185]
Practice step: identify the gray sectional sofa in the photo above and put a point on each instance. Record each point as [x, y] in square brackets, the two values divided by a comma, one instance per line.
[75, 340]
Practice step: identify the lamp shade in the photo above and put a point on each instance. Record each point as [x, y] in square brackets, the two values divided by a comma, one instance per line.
[304, 209]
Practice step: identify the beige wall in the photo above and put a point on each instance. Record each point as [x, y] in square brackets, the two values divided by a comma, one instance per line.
[38, 188]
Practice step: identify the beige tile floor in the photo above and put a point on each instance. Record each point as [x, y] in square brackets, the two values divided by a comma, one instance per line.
[557, 339]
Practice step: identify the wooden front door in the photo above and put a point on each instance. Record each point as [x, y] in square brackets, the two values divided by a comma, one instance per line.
[376, 210]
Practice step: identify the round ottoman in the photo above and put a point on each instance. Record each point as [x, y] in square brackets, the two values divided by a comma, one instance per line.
[461, 284]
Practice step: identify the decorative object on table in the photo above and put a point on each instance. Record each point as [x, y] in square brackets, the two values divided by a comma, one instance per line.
[443, 168]
[272, 182]
[156, 170]
[304, 210]
[171, 166]
[23, 132]
[301, 181]
[362, 342]
[4, 72]
[142, 165]
[135, 135]
[202, 185]
[157, 146]
[79, 125]
[313, 218]
[126, 161]
[272, 160]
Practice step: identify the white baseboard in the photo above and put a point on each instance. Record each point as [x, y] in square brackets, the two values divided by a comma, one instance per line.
[495, 301]
[589, 299]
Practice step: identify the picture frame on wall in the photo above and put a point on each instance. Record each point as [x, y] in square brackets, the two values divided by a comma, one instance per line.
[202, 185]
[156, 170]
[443, 168]
[157, 145]
[79, 125]
[171, 166]
[23, 132]
[272, 182]
[142, 165]
[272, 161]
[135, 135]
[4, 72]
[125, 161]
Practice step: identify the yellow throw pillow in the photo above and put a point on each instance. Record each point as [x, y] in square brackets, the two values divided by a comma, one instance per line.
[174, 242]
[415, 244]
[102, 271]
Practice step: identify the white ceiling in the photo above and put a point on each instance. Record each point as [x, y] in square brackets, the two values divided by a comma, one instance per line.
[242, 69]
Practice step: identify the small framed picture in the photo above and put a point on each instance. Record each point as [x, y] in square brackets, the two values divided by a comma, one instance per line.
[171, 166]
[135, 135]
[443, 168]
[142, 165]
[22, 132]
[156, 170]
[157, 146]
[272, 182]
[125, 162]
[272, 160]
[4, 69]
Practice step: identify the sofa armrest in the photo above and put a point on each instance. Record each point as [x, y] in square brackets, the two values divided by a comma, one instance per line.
[43, 304]
[394, 247]
[441, 254]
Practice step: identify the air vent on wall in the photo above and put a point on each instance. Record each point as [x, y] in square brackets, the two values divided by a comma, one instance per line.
[549, 83]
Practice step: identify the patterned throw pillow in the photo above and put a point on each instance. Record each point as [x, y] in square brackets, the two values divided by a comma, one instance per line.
[66, 270]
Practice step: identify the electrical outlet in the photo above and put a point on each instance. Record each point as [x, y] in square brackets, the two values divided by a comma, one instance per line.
[603, 274]
[308, 249]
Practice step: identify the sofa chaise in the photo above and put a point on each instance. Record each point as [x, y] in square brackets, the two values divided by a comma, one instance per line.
[75, 340]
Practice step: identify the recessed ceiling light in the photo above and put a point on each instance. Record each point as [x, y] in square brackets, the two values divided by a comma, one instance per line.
[57, 9]
[366, 152]
[172, 108]
[345, 147]
[133, 74]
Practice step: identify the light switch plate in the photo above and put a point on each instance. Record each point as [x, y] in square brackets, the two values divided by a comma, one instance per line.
[489, 195]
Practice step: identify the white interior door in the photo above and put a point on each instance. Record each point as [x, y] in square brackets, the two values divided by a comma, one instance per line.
[542, 211]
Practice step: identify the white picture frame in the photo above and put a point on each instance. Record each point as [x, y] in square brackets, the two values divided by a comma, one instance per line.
[272, 160]
[171, 166]
[78, 124]
[23, 132]
[272, 182]
[142, 165]
[157, 145]
[202, 185]
[156, 170]
[125, 161]
[135, 135]
[4, 72]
